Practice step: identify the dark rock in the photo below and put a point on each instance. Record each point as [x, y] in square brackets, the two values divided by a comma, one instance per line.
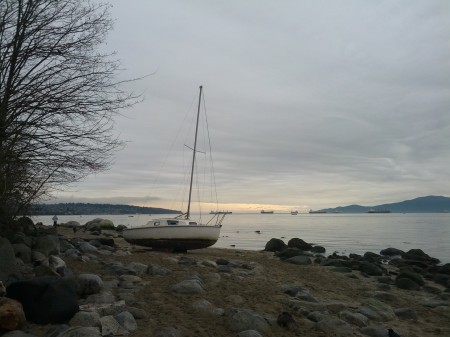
[318, 249]
[392, 333]
[8, 264]
[187, 260]
[221, 261]
[299, 243]
[26, 226]
[371, 257]
[46, 299]
[406, 313]
[392, 252]
[419, 255]
[406, 283]
[370, 268]
[375, 331]
[120, 228]
[353, 318]
[442, 279]
[386, 280]
[300, 260]
[245, 319]
[47, 244]
[275, 245]
[154, 269]
[249, 333]
[288, 253]
[417, 278]
[22, 251]
[444, 269]
[286, 321]
[224, 269]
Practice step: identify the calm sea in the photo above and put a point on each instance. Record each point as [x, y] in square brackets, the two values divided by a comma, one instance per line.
[342, 233]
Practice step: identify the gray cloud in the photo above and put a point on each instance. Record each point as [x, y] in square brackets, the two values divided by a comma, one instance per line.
[315, 103]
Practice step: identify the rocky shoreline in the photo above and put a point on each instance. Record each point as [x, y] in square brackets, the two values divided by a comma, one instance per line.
[66, 282]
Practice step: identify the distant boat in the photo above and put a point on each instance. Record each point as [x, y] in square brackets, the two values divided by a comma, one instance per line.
[320, 211]
[294, 212]
[378, 211]
[220, 212]
[266, 212]
[180, 233]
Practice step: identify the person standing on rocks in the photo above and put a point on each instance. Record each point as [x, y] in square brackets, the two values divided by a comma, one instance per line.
[55, 220]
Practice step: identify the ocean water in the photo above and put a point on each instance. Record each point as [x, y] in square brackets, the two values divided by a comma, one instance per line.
[342, 233]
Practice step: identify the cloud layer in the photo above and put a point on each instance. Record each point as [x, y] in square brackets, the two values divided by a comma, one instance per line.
[310, 104]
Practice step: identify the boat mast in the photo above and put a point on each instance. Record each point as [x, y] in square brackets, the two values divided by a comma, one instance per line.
[193, 154]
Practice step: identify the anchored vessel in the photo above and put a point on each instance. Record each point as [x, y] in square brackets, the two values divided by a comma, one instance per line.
[180, 233]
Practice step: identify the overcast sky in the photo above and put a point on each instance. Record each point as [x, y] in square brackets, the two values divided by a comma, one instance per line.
[311, 104]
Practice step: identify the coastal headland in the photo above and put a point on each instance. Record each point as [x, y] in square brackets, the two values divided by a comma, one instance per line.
[285, 290]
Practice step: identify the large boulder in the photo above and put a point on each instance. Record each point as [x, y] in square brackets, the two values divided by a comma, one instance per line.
[392, 252]
[47, 244]
[275, 245]
[8, 264]
[299, 243]
[22, 251]
[419, 255]
[46, 299]
[244, 319]
[99, 223]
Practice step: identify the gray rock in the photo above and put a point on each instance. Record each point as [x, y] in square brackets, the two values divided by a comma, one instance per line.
[191, 286]
[86, 319]
[78, 331]
[8, 264]
[385, 296]
[375, 331]
[126, 320]
[317, 316]
[380, 309]
[88, 284]
[169, 332]
[137, 313]
[249, 333]
[140, 268]
[305, 295]
[305, 307]
[335, 327]
[103, 297]
[86, 247]
[155, 269]
[110, 326]
[224, 269]
[47, 244]
[354, 318]
[433, 303]
[244, 319]
[187, 260]
[56, 263]
[203, 305]
[406, 313]
[300, 260]
[22, 251]
[112, 309]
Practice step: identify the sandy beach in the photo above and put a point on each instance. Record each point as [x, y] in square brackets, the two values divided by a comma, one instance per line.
[258, 289]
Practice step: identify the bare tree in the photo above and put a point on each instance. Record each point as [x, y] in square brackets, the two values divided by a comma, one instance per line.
[58, 95]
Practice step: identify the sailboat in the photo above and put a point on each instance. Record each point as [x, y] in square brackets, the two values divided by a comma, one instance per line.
[181, 233]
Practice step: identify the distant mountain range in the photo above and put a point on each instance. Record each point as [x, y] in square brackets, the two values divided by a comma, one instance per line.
[92, 209]
[429, 204]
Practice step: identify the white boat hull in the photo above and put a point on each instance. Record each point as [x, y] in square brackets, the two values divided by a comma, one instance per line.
[175, 238]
